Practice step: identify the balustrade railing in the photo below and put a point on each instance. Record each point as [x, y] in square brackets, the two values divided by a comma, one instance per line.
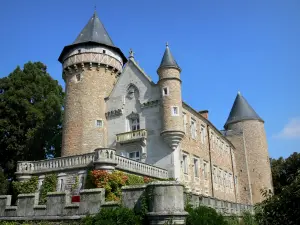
[100, 156]
[131, 135]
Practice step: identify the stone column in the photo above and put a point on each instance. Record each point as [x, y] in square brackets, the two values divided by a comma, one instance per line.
[166, 203]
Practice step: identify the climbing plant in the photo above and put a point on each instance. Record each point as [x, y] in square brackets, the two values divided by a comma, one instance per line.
[49, 185]
[25, 187]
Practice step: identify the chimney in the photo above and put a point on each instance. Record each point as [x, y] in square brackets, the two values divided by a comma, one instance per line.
[204, 113]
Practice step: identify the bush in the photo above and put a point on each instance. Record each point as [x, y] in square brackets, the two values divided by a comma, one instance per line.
[3, 183]
[113, 182]
[204, 215]
[25, 187]
[49, 185]
[117, 216]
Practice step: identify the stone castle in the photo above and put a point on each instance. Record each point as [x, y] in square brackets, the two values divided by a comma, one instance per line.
[116, 117]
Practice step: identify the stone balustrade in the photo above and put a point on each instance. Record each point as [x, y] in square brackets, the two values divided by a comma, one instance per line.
[126, 164]
[131, 136]
[101, 158]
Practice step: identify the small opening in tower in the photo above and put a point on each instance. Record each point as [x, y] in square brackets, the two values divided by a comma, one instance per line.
[78, 77]
[99, 123]
[165, 91]
[79, 50]
[175, 111]
[104, 51]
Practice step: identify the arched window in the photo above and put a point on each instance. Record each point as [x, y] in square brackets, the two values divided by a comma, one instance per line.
[132, 92]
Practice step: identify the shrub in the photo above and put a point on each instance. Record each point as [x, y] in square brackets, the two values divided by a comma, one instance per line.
[204, 215]
[113, 182]
[25, 187]
[3, 183]
[49, 185]
[117, 216]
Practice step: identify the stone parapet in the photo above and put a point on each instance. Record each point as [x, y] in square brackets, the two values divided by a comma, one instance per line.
[101, 158]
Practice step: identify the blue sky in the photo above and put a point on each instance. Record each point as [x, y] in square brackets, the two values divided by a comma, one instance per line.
[222, 46]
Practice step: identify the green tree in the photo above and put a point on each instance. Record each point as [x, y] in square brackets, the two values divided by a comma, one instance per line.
[284, 171]
[3, 183]
[31, 107]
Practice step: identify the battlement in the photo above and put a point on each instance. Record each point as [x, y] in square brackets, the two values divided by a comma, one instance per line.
[161, 206]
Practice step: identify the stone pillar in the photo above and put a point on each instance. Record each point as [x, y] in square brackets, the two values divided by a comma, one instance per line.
[105, 159]
[91, 200]
[166, 203]
[5, 200]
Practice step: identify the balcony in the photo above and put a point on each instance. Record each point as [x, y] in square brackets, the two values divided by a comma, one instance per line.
[132, 136]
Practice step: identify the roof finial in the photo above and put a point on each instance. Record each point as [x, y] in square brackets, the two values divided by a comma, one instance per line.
[131, 53]
[95, 7]
[167, 44]
[239, 93]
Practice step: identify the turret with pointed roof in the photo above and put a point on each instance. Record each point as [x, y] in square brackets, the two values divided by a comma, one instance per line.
[91, 67]
[170, 85]
[241, 111]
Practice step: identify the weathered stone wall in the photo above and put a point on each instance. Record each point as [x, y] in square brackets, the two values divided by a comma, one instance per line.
[257, 156]
[211, 149]
[84, 105]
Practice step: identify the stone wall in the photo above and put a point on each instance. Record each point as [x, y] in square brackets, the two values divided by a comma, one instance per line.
[164, 200]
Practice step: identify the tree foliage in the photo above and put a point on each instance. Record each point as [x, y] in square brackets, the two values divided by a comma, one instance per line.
[284, 171]
[31, 104]
[3, 183]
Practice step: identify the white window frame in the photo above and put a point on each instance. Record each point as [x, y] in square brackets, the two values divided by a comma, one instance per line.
[173, 111]
[135, 158]
[196, 167]
[193, 128]
[99, 123]
[167, 90]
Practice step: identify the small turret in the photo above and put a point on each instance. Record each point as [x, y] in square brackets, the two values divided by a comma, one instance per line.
[248, 135]
[91, 66]
[170, 84]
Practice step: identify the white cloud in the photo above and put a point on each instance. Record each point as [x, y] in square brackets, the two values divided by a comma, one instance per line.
[291, 130]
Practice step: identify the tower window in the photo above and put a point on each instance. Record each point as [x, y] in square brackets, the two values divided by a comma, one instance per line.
[165, 91]
[79, 50]
[78, 77]
[175, 111]
[99, 123]
[104, 51]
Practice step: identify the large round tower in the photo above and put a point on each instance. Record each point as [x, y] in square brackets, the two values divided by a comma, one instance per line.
[170, 85]
[91, 66]
[243, 119]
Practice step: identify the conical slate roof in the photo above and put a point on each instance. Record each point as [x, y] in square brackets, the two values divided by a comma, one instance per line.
[168, 60]
[240, 111]
[94, 31]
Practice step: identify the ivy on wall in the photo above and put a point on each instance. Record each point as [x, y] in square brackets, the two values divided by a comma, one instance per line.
[49, 185]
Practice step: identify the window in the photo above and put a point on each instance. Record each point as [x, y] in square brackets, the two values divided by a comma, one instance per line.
[205, 170]
[193, 129]
[184, 122]
[175, 111]
[99, 123]
[215, 174]
[61, 185]
[79, 50]
[165, 91]
[104, 51]
[196, 167]
[78, 77]
[135, 124]
[135, 156]
[202, 134]
[184, 164]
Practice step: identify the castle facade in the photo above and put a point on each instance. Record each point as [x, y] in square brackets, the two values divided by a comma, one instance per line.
[112, 103]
